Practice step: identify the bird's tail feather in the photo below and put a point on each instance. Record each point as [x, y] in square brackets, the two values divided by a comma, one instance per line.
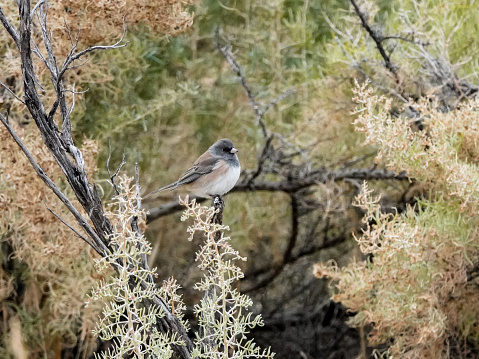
[170, 187]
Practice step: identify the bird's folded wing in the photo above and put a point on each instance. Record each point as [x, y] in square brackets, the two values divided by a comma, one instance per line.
[199, 169]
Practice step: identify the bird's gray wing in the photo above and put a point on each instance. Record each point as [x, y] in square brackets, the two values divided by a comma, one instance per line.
[199, 169]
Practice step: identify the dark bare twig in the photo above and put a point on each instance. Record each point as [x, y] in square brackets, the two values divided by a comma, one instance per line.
[231, 59]
[405, 39]
[326, 244]
[72, 56]
[112, 176]
[377, 38]
[168, 208]
[262, 158]
[288, 252]
[11, 92]
[72, 229]
[274, 101]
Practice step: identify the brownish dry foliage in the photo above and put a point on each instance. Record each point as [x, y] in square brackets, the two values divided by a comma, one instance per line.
[54, 266]
[92, 23]
[101, 21]
[419, 291]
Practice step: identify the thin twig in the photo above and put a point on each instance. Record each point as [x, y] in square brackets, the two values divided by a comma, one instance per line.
[73, 229]
[287, 253]
[98, 245]
[75, 56]
[40, 2]
[134, 221]
[231, 59]
[261, 160]
[112, 176]
[377, 38]
[273, 102]
[11, 92]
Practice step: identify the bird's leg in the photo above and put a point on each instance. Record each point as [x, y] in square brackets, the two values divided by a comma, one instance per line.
[218, 201]
[219, 206]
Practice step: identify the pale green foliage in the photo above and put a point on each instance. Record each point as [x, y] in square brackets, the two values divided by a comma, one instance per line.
[223, 314]
[419, 292]
[125, 320]
[428, 44]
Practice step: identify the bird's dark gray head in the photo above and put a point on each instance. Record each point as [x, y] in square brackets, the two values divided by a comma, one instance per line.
[225, 149]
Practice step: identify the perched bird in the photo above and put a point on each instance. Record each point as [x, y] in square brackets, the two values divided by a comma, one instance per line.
[214, 173]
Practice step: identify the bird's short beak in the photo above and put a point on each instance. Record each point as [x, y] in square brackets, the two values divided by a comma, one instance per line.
[234, 150]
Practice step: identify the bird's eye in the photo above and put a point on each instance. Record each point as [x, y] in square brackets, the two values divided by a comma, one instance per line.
[226, 149]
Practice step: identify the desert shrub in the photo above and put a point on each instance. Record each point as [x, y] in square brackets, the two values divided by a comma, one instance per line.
[417, 291]
[46, 270]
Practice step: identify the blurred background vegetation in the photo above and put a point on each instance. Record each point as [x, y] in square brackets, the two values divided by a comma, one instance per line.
[163, 100]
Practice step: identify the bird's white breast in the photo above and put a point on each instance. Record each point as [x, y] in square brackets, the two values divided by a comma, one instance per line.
[223, 183]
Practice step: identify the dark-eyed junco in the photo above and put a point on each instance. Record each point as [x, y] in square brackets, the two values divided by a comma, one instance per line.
[215, 172]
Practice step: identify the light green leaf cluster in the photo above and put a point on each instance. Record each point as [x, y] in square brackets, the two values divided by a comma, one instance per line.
[419, 289]
[223, 316]
[125, 319]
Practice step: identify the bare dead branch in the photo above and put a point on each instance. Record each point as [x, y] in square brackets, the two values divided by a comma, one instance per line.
[98, 245]
[291, 185]
[293, 237]
[35, 8]
[112, 176]
[137, 186]
[405, 39]
[377, 38]
[61, 146]
[262, 158]
[269, 269]
[168, 208]
[134, 220]
[273, 102]
[72, 56]
[227, 54]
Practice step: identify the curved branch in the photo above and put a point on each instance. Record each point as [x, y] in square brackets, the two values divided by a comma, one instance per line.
[291, 185]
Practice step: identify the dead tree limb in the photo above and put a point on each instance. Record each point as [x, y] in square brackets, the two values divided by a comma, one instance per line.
[291, 185]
